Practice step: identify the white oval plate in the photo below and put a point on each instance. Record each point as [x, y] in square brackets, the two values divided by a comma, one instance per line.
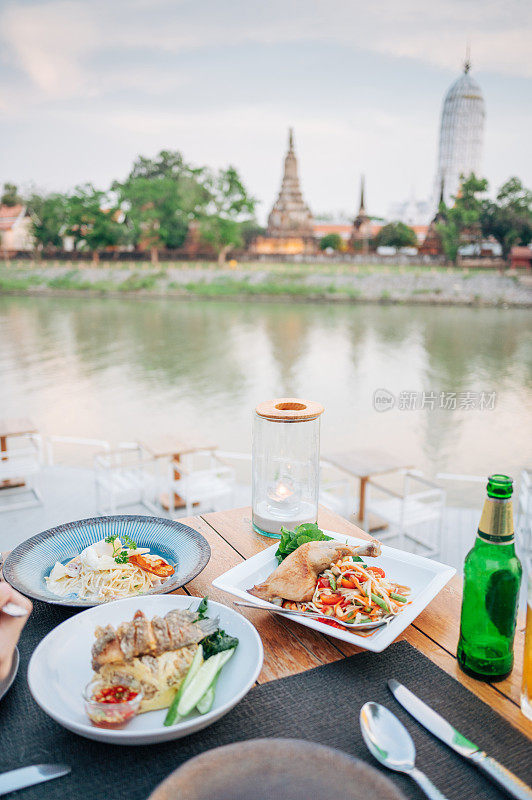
[424, 576]
[60, 668]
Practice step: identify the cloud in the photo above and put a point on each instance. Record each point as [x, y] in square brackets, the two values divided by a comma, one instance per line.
[57, 43]
[222, 80]
[49, 43]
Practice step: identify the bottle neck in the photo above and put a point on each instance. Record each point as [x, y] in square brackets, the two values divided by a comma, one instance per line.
[496, 524]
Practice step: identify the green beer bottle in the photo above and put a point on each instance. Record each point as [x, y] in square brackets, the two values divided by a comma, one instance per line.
[492, 576]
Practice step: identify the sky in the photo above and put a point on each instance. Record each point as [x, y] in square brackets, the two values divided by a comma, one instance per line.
[86, 85]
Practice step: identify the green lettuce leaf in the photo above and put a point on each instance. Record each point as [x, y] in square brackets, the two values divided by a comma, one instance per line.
[291, 540]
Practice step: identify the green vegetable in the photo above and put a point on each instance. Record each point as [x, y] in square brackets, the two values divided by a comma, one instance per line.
[291, 540]
[197, 661]
[217, 642]
[129, 542]
[350, 616]
[202, 681]
[205, 704]
[202, 608]
[119, 554]
[332, 581]
[380, 602]
[398, 597]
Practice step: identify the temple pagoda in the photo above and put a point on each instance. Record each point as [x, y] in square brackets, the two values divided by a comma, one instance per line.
[362, 227]
[290, 214]
[432, 244]
[290, 225]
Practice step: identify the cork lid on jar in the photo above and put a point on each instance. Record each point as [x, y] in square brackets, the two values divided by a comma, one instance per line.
[289, 409]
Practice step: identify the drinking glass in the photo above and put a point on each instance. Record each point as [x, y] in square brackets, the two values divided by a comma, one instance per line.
[526, 690]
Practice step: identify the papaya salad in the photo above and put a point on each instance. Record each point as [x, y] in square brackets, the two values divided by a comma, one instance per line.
[350, 592]
[109, 570]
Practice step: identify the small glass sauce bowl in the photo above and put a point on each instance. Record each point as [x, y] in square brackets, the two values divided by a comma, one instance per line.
[108, 707]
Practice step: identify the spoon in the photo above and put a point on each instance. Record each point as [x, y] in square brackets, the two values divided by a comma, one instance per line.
[389, 742]
[287, 612]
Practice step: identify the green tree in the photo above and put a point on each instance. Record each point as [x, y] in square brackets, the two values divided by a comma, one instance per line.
[92, 219]
[461, 221]
[10, 195]
[396, 234]
[228, 210]
[332, 241]
[250, 229]
[48, 219]
[509, 218]
[161, 197]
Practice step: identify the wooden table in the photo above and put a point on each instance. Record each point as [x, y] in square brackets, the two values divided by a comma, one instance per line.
[290, 648]
[363, 464]
[174, 448]
[16, 426]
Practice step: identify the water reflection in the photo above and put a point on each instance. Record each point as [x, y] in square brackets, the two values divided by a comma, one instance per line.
[123, 368]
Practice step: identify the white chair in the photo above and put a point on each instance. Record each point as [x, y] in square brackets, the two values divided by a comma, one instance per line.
[205, 482]
[414, 515]
[523, 524]
[76, 448]
[336, 493]
[125, 477]
[20, 466]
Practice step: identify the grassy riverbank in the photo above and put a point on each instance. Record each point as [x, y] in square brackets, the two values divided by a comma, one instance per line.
[316, 282]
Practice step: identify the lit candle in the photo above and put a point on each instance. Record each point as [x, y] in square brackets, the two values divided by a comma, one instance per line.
[283, 494]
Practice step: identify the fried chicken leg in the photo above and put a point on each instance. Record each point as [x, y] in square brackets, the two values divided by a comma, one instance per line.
[295, 578]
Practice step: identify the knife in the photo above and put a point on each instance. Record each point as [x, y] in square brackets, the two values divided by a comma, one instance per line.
[439, 726]
[29, 776]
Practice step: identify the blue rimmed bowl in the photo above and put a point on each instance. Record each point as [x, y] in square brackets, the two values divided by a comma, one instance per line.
[27, 565]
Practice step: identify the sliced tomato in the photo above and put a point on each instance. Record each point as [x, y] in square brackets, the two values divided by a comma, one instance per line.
[377, 571]
[330, 599]
[323, 583]
[154, 564]
[347, 583]
[333, 623]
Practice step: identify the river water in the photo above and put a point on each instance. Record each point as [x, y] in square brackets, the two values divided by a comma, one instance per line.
[126, 369]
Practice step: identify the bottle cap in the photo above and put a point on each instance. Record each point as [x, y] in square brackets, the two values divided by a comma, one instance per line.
[500, 486]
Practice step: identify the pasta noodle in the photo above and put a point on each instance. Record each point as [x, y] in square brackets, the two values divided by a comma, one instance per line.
[109, 570]
[125, 580]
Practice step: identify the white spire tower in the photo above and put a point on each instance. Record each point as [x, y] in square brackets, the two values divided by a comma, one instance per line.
[461, 134]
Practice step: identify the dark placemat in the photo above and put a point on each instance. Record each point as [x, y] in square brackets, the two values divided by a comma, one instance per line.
[321, 705]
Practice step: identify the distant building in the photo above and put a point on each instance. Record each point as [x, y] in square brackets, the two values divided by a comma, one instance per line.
[431, 243]
[461, 135]
[343, 229]
[412, 211]
[521, 258]
[290, 225]
[362, 230]
[15, 229]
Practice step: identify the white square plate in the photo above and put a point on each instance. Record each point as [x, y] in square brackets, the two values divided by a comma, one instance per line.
[424, 576]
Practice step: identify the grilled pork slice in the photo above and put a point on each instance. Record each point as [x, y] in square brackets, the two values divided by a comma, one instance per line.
[140, 637]
[295, 577]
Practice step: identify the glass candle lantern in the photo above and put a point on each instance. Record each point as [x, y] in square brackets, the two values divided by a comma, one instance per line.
[286, 464]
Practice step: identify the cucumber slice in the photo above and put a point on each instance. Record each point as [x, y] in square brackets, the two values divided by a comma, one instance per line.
[202, 681]
[172, 715]
[205, 704]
